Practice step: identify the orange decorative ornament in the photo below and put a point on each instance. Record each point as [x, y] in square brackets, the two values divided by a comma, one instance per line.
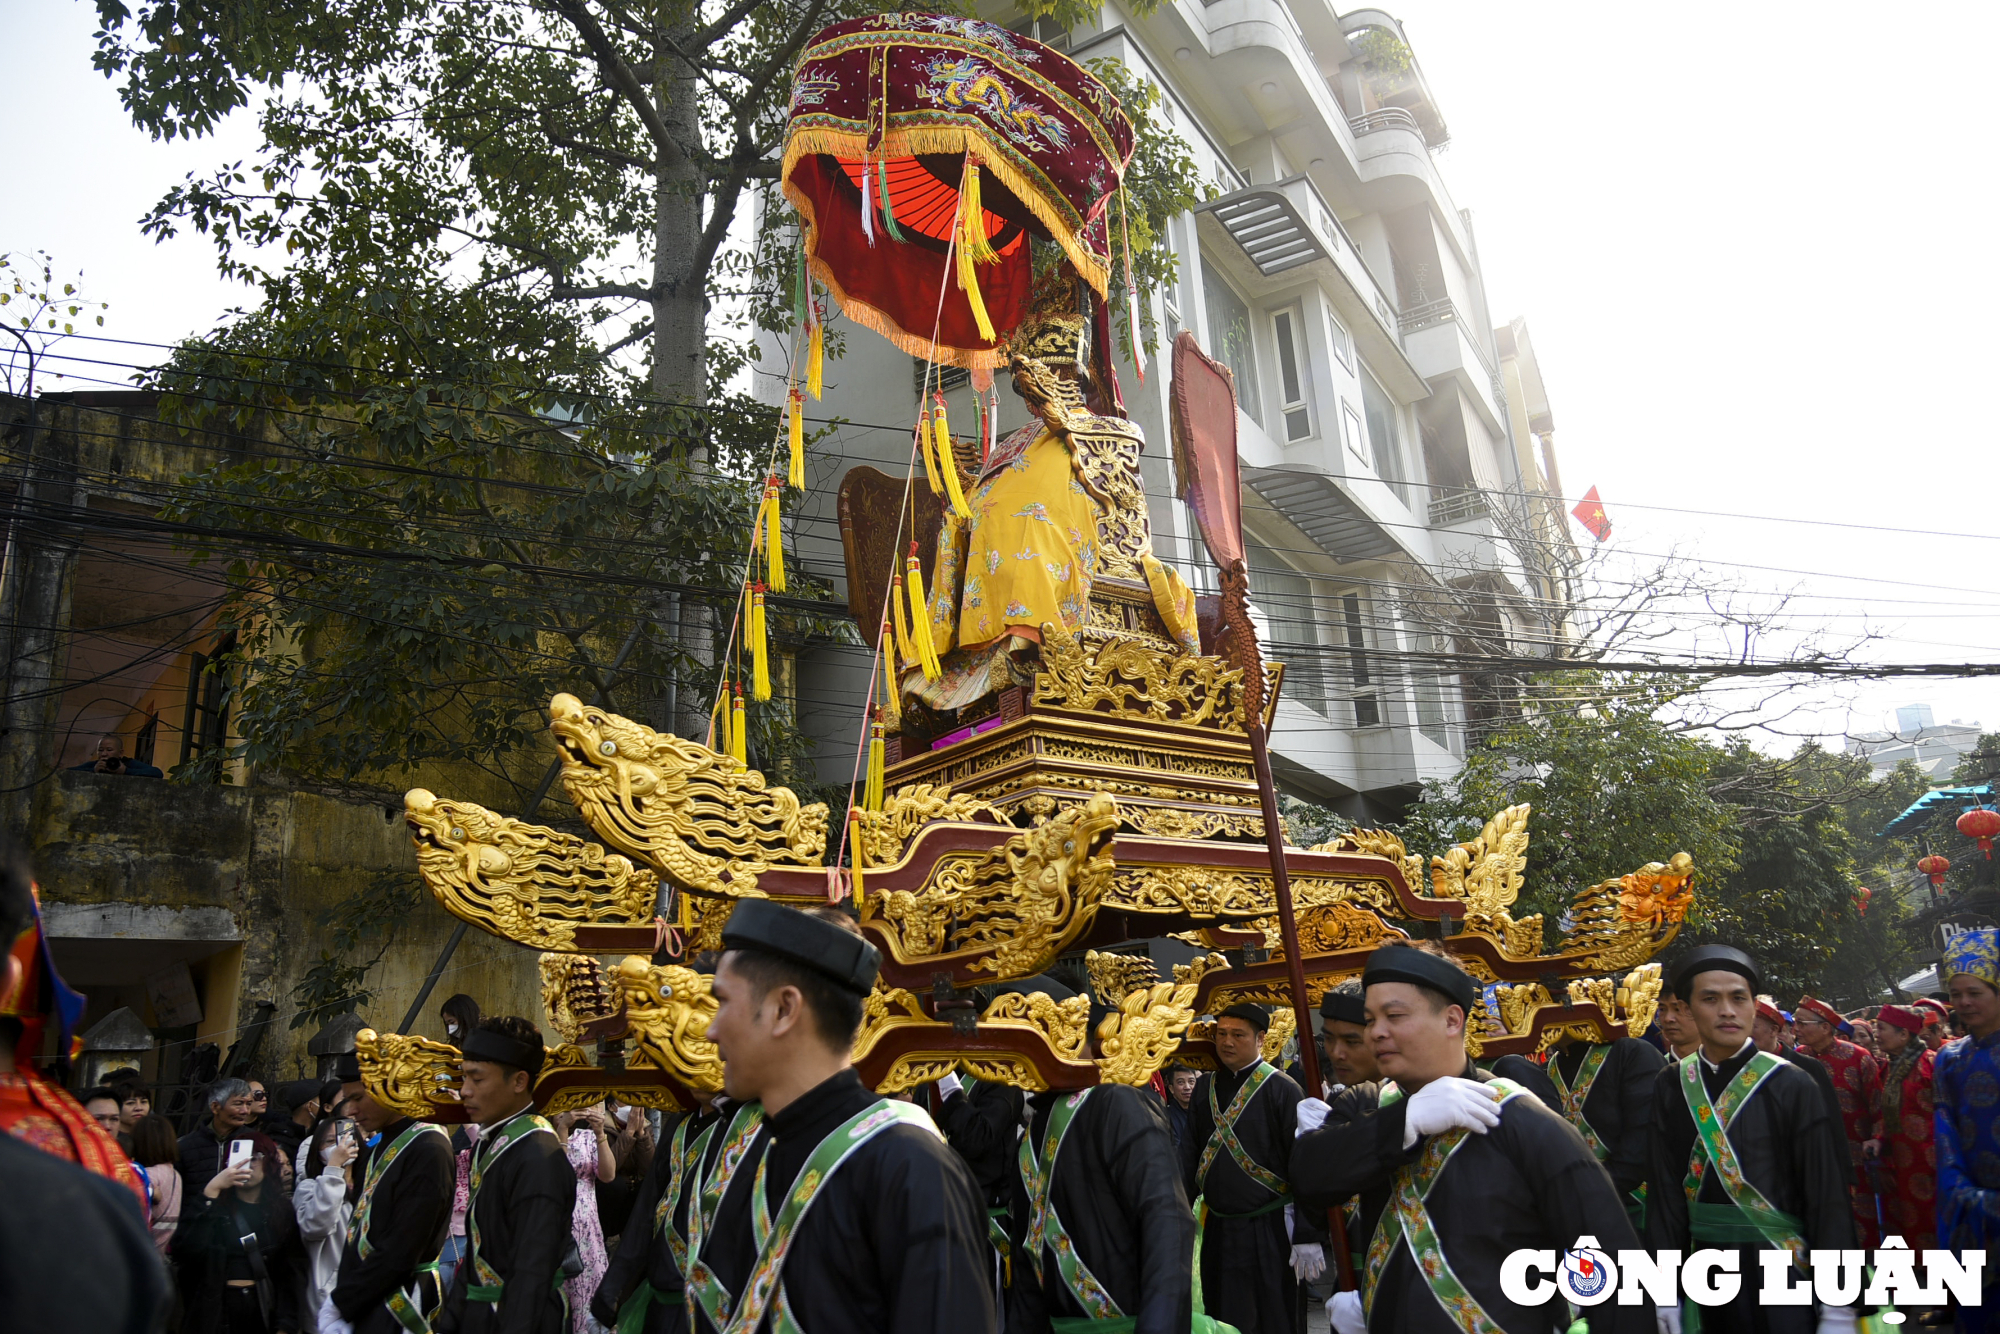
[1983, 824]
[1934, 866]
[1861, 897]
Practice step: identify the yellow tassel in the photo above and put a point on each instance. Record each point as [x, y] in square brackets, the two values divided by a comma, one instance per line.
[816, 360]
[972, 220]
[968, 283]
[718, 722]
[892, 705]
[924, 448]
[774, 540]
[760, 649]
[920, 619]
[854, 853]
[947, 464]
[683, 910]
[904, 649]
[739, 740]
[795, 428]
[872, 794]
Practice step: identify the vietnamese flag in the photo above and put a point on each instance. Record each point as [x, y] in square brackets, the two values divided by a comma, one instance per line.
[1590, 513]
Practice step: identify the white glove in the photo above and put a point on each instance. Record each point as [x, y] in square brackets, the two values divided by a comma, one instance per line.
[1835, 1320]
[1308, 1262]
[1449, 1103]
[1312, 1115]
[1343, 1312]
[949, 1085]
[330, 1321]
[1667, 1319]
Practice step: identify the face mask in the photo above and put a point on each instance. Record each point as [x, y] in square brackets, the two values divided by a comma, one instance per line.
[451, 1031]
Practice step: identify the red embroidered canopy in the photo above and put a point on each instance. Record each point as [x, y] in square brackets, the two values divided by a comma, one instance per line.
[887, 113]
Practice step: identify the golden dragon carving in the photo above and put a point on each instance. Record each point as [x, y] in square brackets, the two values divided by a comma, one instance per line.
[669, 1009]
[882, 835]
[1379, 843]
[1486, 873]
[528, 883]
[402, 1072]
[1620, 923]
[696, 816]
[1065, 1024]
[1129, 679]
[1149, 1017]
[574, 993]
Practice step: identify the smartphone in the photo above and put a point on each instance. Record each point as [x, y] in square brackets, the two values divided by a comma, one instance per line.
[240, 1151]
[347, 1132]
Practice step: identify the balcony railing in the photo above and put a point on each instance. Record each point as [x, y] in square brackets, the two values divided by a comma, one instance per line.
[1433, 313]
[1385, 118]
[1458, 507]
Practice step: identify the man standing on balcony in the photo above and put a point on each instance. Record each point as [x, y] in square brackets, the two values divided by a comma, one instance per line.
[1255, 1248]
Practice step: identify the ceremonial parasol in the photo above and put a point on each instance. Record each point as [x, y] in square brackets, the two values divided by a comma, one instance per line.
[923, 150]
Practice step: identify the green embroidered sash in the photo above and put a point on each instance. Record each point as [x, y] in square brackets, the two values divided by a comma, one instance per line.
[1712, 1121]
[1573, 1096]
[1225, 1135]
[763, 1293]
[682, 1155]
[702, 1284]
[1412, 1226]
[487, 1285]
[404, 1311]
[1045, 1226]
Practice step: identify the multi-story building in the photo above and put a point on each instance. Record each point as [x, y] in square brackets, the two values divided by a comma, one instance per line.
[1392, 442]
[1934, 747]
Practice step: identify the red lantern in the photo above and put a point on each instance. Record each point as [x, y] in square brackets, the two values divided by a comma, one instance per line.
[1934, 866]
[1982, 824]
[1861, 897]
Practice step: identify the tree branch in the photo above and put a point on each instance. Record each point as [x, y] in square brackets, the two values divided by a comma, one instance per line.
[629, 291]
[619, 74]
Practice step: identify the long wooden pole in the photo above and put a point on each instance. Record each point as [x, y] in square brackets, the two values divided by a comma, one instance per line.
[1295, 968]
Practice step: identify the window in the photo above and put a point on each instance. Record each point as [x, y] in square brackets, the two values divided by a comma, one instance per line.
[1298, 417]
[148, 737]
[1356, 434]
[1367, 710]
[207, 701]
[1430, 687]
[941, 378]
[1385, 448]
[1229, 337]
[1285, 597]
[1343, 346]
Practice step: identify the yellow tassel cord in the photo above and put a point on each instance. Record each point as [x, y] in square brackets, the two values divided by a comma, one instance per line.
[683, 910]
[920, 621]
[973, 249]
[795, 428]
[854, 852]
[774, 537]
[946, 463]
[816, 359]
[760, 648]
[872, 794]
[739, 739]
[906, 652]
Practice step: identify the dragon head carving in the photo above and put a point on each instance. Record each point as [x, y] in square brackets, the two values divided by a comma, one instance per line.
[529, 883]
[694, 814]
[669, 1009]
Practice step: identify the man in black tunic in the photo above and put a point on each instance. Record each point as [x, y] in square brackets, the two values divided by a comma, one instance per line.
[1605, 1090]
[523, 1192]
[645, 1271]
[869, 1220]
[1255, 1249]
[1100, 1169]
[1770, 1125]
[1480, 1175]
[388, 1270]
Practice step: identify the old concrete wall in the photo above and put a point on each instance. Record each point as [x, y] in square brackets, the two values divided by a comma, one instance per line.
[276, 861]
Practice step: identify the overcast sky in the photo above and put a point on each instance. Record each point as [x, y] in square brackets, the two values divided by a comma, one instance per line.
[1752, 251]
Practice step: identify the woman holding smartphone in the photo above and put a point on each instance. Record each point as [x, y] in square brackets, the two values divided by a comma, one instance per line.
[323, 1203]
[240, 1255]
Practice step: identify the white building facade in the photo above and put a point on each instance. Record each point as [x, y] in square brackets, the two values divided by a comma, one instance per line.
[1380, 411]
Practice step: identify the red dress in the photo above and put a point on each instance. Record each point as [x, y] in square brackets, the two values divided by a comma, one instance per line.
[1858, 1081]
[1909, 1159]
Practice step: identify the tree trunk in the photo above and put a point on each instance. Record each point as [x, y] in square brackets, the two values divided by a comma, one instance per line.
[680, 299]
